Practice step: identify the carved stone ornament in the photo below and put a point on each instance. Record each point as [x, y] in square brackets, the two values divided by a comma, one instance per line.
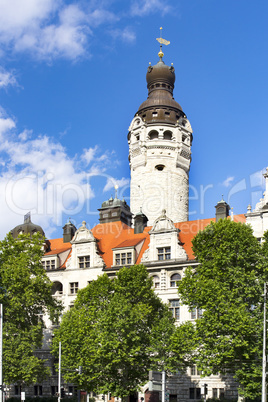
[163, 223]
[83, 234]
[145, 256]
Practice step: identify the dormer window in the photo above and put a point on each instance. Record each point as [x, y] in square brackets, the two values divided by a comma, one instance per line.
[84, 262]
[164, 253]
[123, 258]
[49, 264]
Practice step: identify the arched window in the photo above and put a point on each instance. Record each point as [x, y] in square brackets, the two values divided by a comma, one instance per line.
[167, 135]
[156, 281]
[57, 288]
[174, 279]
[153, 135]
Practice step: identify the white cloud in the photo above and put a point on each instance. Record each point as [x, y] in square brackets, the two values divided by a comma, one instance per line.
[100, 16]
[7, 78]
[89, 154]
[45, 28]
[126, 35]
[228, 181]
[37, 175]
[145, 7]
[112, 182]
[25, 135]
[50, 29]
[257, 179]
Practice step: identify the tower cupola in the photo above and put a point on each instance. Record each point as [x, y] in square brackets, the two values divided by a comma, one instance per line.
[222, 210]
[160, 105]
[114, 210]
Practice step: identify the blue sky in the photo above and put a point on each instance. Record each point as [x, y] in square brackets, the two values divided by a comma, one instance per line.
[72, 76]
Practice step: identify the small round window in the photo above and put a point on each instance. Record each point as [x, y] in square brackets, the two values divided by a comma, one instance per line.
[160, 167]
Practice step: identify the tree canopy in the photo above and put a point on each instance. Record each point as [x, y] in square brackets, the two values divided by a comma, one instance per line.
[117, 331]
[228, 286]
[25, 292]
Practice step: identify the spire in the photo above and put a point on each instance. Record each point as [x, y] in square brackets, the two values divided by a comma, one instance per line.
[162, 41]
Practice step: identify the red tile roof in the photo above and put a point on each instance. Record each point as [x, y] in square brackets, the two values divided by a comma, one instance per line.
[58, 244]
[130, 242]
[113, 235]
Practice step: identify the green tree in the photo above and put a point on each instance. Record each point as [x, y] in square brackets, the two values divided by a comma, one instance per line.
[228, 286]
[117, 331]
[25, 292]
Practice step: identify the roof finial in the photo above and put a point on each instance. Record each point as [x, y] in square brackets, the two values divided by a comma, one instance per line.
[116, 188]
[162, 41]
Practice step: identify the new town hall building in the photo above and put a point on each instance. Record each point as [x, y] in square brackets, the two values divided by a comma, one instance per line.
[154, 230]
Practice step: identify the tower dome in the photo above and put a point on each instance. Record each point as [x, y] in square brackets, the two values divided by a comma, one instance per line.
[28, 227]
[160, 105]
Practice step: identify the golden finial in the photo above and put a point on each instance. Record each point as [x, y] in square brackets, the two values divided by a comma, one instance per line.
[162, 41]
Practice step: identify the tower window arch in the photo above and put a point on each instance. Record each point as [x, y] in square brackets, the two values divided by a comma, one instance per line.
[167, 135]
[153, 135]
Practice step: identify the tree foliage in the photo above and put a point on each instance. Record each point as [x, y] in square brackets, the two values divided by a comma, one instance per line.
[25, 292]
[228, 286]
[117, 331]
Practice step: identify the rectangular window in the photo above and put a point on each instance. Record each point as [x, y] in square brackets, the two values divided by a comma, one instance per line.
[174, 307]
[221, 393]
[123, 258]
[17, 389]
[215, 393]
[196, 313]
[73, 288]
[191, 393]
[54, 390]
[198, 393]
[49, 264]
[84, 262]
[164, 253]
[129, 258]
[193, 370]
[38, 390]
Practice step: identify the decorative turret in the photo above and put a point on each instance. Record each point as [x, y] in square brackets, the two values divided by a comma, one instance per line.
[28, 227]
[68, 231]
[222, 210]
[160, 138]
[114, 210]
[140, 222]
